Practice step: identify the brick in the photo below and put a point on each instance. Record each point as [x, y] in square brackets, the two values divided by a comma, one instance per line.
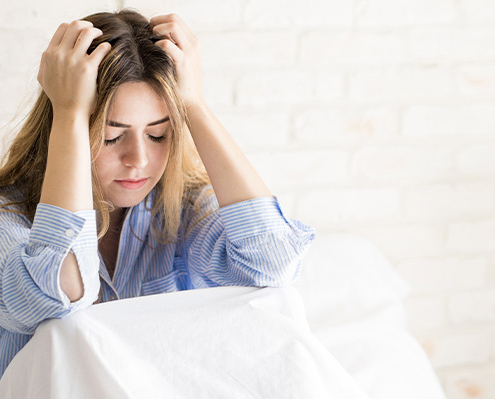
[425, 313]
[478, 119]
[388, 163]
[471, 237]
[257, 130]
[293, 169]
[469, 383]
[23, 60]
[196, 14]
[411, 83]
[351, 48]
[476, 159]
[478, 11]
[425, 121]
[398, 13]
[49, 15]
[472, 307]
[290, 14]
[451, 44]
[248, 49]
[17, 98]
[218, 86]
[327, 86]
[491, 272]
[458, 348]
[287, 87]
[337, 205]
[443, 275]
[406, 241]
[344, 125]
[438, 202]
[477, 79]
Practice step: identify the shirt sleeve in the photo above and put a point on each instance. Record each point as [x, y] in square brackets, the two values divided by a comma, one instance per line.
[30, 260]
[250, 243]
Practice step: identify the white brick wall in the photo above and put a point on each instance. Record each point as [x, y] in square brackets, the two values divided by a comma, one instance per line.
[375, 117]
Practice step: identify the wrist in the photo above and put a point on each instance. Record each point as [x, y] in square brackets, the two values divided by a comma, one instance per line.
[66, 115]
[196, 107]
[70, 120]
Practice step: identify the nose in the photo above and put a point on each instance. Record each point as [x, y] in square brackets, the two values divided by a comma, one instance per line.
[135, 155]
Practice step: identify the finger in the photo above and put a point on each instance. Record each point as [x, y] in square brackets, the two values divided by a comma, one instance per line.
[170, 19]
[171, 49]
[99, 53]
[59, 34]
[172, 32]
[162, 19]
[72, 33]
[85, 39]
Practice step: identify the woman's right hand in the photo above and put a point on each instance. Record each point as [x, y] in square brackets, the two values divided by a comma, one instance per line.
[67, 73]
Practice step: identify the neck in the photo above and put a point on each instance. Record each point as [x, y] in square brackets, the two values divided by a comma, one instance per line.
[117, 219]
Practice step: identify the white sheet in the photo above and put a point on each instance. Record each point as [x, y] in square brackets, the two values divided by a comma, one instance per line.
[354, 302]
[211, 343]
[384, 359]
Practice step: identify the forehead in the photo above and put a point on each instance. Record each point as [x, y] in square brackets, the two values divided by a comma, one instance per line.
[135, 103]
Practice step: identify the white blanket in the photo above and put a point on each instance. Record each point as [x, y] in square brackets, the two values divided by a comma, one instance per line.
[229, 342]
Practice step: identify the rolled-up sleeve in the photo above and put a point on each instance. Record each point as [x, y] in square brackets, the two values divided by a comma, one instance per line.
[31, 258]
[250, 243]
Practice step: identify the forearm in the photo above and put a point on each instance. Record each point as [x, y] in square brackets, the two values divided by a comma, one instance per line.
[67, 181]
[67, 184]
[233, 177]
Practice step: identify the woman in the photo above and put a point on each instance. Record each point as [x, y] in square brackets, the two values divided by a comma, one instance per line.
[103, 194]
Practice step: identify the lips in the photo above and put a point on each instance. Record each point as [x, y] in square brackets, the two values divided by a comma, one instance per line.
[132, 184]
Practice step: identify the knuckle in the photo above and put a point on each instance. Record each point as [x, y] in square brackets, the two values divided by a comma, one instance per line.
[86, 30]
[85, 68]
[174, 17]
[78, 24]
[166, 44]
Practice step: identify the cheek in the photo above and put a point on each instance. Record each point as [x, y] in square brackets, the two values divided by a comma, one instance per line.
[104, 164]
[160, 157]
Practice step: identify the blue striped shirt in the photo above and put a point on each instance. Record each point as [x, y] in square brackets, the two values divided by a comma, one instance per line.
[250, 243]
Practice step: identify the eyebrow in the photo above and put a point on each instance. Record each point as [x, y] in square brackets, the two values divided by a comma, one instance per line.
[118, 124]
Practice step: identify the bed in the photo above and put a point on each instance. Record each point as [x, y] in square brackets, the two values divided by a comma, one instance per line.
[354, 303]
[339, 333]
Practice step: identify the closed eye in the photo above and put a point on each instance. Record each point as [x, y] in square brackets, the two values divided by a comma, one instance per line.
[158, 139]
[112, 141]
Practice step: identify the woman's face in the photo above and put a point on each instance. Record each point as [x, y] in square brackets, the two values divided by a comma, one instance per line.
[137, 145]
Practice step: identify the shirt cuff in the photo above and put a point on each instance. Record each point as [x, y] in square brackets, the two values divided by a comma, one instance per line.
[253, 217]
[65, 231]
[59, 227]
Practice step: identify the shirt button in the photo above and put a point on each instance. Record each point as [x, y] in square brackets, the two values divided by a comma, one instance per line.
[70, 233]
[113, 297]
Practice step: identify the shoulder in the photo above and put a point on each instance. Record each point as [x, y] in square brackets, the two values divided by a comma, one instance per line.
[12, 209]
[10, 195]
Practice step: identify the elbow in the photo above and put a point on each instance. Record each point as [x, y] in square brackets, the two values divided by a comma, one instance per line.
[70, 278]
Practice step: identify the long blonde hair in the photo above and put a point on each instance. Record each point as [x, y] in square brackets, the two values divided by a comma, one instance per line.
[134, 58]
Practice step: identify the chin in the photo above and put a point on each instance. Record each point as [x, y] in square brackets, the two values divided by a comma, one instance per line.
[126, 201]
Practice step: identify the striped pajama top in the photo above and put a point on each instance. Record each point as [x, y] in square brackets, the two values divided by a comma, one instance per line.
[250, 243]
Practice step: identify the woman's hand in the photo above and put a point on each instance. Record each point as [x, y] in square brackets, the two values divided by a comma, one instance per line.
[183, 47]
[67, 73]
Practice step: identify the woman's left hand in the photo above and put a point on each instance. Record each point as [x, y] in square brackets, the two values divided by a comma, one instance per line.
[183, 47]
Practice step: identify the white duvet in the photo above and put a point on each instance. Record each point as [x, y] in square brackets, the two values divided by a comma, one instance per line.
[230, 342]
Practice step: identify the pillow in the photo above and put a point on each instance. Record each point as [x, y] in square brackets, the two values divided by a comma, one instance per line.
[345, 278]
